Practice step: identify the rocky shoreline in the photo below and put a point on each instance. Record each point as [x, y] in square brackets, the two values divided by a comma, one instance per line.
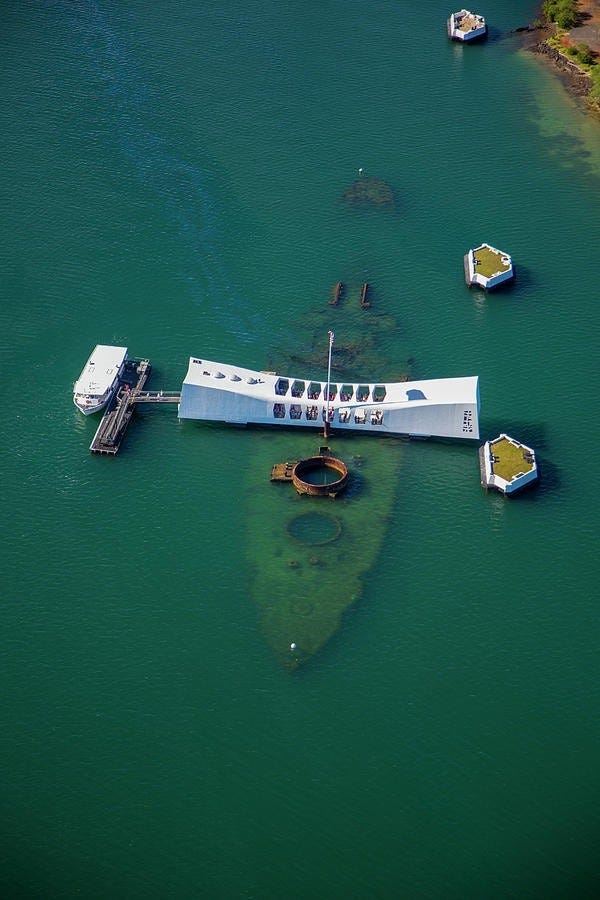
[535, 38]
[577, 82]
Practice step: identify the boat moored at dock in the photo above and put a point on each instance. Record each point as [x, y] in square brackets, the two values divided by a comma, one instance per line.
[99, 378]
[443, 407]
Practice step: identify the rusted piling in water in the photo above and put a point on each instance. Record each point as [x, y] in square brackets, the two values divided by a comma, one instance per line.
[336, 293]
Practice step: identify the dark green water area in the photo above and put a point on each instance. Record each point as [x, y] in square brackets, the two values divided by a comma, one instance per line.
[175, 179]
[323, 476]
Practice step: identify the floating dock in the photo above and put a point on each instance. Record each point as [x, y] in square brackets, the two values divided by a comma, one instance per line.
[114, 422]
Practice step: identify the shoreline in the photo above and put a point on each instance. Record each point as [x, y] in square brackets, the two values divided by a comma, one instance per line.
[576, 81]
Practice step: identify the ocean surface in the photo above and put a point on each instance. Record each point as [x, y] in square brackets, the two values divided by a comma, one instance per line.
[171, 180]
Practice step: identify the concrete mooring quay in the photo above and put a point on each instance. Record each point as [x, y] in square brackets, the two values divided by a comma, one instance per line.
[112, 428]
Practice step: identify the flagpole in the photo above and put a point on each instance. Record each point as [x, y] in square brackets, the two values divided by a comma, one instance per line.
[326, 428]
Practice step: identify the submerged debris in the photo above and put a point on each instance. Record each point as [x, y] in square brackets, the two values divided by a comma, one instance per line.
[336, 293]
[369, 192]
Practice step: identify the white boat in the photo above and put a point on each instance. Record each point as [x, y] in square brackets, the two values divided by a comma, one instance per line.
[99, 379]
[441, 407]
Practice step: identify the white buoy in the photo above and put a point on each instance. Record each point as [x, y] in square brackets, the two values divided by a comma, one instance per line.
[360, 171]
[293, 646]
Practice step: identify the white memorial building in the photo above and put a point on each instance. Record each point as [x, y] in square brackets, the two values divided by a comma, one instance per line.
[441, 407]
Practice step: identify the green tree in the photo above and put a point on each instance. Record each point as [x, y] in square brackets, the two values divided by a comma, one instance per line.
[563, 12]
[585, 54]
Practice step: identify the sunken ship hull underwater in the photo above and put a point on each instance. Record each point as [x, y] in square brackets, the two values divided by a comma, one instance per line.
[309, 557]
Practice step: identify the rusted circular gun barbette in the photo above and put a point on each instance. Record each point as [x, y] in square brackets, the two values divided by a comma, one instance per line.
[320, 476]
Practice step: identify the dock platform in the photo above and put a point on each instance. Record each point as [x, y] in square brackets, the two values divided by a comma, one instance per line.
[113, 426]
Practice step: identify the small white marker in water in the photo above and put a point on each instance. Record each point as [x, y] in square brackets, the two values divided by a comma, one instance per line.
[293, 646]
[360, 171]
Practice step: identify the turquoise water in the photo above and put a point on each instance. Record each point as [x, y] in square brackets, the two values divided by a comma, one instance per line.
[171, 181]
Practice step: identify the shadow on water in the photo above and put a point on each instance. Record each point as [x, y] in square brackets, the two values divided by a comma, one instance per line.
[534, 435]
[549, 481]
[495, 35]
[523, 280]
[572, 848]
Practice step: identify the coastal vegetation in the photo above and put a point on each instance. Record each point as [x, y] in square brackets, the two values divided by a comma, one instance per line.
[584, 58]
[563, 12]
[581, 53]
[567, 16]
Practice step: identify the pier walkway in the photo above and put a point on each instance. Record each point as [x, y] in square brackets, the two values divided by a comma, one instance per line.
[157, 397]
[112, 428]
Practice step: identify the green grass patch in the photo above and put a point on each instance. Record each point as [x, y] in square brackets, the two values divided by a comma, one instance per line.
[582, 55]
[510, 459]
[488, 262]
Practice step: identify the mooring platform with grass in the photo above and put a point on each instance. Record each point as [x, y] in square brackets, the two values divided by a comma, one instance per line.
[507, 465]
[487, 267]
